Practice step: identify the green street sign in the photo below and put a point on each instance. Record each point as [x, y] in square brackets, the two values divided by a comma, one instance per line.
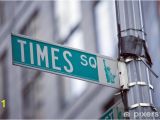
[61, 60]
[115, 112]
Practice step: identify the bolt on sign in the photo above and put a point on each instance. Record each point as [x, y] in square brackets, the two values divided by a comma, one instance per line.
[61, 60]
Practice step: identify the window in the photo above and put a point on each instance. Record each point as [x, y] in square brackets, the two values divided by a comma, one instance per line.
[32, 102]
[73, 87]
[32, 26]
[5, 10]
[106, 28]
[68, 15]
[32, 98]
[30, 29]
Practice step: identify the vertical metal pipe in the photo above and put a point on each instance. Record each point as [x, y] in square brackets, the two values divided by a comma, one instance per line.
[130, 23]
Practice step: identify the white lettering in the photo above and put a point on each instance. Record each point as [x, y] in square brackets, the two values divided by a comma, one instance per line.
[83, 58]
[42, 54]
[69, 63]
[54, 58]
[31, 53]
[93, 65]
[22, 49]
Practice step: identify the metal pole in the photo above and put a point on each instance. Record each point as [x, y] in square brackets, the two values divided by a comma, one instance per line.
[132, 50]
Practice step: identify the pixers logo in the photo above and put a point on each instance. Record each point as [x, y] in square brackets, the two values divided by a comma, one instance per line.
[110, 77]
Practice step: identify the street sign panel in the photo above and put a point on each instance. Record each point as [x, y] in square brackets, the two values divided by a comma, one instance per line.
[62, 60]
[115, 112]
